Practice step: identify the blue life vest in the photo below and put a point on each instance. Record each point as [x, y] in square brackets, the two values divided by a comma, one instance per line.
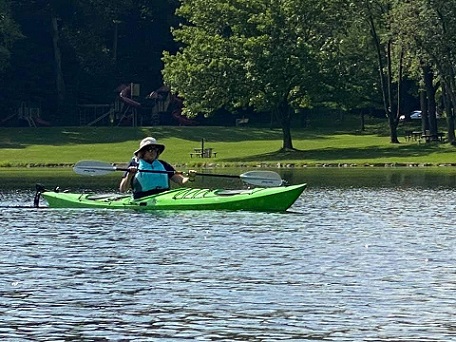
[146, 181]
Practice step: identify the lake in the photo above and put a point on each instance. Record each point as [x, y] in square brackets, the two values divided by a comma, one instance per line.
[362, 255]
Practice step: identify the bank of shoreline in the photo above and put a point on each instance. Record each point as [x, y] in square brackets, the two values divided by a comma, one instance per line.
[246, 147]
[324, 175]
[221, 165]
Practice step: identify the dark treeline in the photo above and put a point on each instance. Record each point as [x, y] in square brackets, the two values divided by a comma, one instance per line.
[61, 54]
[281, 58]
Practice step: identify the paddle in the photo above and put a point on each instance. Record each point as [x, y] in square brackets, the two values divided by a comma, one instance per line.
[99, 168]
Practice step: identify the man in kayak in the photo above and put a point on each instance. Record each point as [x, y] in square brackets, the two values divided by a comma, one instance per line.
[148, 183]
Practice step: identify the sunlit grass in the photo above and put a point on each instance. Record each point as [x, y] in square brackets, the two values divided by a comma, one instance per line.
[234, 146]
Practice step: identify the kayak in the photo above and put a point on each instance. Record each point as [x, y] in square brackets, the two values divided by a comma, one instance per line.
[256, 199]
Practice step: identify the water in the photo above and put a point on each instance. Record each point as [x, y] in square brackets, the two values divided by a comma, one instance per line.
[352, 264]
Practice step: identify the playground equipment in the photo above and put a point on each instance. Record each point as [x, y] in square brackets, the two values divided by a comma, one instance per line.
[158, 107]
[28, 112]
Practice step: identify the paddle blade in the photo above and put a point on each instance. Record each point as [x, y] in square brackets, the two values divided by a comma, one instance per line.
[262, 178]
[93, 168]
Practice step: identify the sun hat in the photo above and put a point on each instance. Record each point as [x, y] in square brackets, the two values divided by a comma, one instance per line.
[149, 141]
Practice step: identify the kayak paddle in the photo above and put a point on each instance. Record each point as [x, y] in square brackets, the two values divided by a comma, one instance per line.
[99, 168]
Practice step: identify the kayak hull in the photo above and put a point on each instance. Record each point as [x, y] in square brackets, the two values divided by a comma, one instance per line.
[257, 199]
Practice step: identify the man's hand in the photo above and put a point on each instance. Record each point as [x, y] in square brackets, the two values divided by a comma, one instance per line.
[132, 170]
[191, 175]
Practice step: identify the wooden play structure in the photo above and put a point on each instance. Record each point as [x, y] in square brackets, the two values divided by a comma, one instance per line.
[129, 108]
[28, 112]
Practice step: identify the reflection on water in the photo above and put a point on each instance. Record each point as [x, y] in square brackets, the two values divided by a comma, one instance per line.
[373, 177]
[370, 264]
[425, 177]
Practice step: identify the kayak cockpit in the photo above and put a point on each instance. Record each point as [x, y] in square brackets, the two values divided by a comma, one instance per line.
[106, 197]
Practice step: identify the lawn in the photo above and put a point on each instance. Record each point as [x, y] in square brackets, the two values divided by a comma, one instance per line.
[235, 146]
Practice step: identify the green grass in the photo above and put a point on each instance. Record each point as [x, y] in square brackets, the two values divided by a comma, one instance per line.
[235, 146]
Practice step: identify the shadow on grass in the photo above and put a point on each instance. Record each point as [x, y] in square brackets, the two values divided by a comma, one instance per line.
[341, 154]
[18, 138]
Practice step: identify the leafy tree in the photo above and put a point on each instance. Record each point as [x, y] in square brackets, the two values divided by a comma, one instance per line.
[347, 60]
[79, 50]
[46, 64]
[428, 29]
[258, 53]
[375, 18]
[10, 32]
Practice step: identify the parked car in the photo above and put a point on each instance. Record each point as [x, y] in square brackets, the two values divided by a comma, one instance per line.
[415, 115]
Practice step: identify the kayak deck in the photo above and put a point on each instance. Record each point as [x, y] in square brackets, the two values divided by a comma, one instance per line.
[256, 199]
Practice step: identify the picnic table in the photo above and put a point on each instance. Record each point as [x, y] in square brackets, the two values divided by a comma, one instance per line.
[203, 152]
[427, 136]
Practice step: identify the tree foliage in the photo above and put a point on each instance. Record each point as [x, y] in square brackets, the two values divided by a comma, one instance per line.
[259, 54]
[9, 33]
[94, 45]
[273, 56]
[427, 30]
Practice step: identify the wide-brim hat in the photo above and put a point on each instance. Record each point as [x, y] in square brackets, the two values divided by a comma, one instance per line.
[149, 141]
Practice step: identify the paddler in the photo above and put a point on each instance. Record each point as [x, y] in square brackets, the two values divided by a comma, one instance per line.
[149, 183]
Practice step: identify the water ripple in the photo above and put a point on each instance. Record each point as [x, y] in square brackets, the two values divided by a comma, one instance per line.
[343, 265]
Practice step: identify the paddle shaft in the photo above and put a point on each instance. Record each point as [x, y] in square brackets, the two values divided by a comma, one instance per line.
[261, 178]
[20, 207]
[217, 175]
[174, 172]
[149, 171]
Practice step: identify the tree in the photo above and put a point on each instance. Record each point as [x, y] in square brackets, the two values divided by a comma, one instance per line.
[262, 54]
[68, 53]
[347, 60]
[428, 28]
[376, 15]
[10, 33]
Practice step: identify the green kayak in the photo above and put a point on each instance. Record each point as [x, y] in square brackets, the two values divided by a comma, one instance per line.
[256, 199]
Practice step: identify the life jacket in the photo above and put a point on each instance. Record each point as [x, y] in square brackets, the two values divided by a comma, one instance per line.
[147, 183]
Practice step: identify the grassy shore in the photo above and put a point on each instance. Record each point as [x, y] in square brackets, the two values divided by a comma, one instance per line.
[235, 146]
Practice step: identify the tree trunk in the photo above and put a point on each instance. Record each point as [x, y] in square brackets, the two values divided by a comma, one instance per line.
[399, 85]
[363, 125]
[385, 81]
[423, 107]
[60, 83]
[392, 104]
[284, 113]
[393, 130]
[449, 93]
[428, 77]
[448, 113]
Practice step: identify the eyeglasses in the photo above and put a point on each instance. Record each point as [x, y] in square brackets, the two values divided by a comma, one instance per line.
[152, 149]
